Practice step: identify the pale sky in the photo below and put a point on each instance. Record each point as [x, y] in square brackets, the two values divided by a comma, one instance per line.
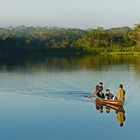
[70, 13]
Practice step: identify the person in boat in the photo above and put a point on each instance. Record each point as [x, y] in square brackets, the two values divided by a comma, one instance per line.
[100, 95]
[108, 95]
[99, 89]
[121, 93]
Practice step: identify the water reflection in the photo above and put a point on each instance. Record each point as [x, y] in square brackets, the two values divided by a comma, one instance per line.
[61, 63]
[119, 110]
[121, 117]
[39, 94]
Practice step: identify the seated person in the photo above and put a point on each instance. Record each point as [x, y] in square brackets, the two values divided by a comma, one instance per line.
[98, 91]
[100, 94]
[108, 95]
[99, 87]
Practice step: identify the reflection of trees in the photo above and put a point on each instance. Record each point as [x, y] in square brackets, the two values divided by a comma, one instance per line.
[137, 65]
[53, 63]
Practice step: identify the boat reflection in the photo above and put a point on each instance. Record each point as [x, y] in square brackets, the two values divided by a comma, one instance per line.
[119, 110]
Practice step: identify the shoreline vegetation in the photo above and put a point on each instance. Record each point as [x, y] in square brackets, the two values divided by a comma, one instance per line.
[24, 40]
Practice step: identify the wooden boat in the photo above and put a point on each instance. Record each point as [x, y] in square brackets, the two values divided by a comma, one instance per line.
[118, 108]
[110, 102]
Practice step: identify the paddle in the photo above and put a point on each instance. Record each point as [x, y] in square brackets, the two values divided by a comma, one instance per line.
[92, 95]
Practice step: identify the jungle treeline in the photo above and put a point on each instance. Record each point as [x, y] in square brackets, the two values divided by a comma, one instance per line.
[37, 40]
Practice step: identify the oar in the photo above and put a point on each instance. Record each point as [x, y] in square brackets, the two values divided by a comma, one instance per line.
[92, 95]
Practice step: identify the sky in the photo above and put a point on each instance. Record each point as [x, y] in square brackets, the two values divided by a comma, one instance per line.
[70, 13]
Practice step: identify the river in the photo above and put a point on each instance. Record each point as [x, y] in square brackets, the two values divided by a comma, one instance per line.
[43, 98]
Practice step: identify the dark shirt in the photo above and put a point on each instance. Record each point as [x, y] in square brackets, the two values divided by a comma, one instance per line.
[109, 96]
[99, 88]
[100, 95]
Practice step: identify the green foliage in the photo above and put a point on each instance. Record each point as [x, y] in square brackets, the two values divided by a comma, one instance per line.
[36, 39]
[135, 34]
[22, 40]
[106, 38]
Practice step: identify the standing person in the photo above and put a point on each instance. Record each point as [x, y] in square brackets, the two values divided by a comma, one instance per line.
[121, 93]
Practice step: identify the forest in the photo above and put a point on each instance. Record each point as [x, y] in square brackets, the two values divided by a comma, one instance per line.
[45, 40]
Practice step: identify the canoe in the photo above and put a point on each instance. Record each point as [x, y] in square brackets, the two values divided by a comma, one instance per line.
[111, 102]
[118, 108]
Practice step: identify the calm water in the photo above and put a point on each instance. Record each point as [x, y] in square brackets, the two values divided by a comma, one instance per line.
[44, 98]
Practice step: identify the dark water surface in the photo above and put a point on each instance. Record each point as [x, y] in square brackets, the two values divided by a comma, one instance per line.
[43, 98]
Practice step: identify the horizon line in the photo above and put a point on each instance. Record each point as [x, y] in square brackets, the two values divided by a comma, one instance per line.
[61, 27]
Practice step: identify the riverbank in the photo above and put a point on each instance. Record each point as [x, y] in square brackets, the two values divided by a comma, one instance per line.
[72, 51]
[125, 53]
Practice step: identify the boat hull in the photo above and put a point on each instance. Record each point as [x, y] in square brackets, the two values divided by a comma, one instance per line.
[111, 102]
[118, 108]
